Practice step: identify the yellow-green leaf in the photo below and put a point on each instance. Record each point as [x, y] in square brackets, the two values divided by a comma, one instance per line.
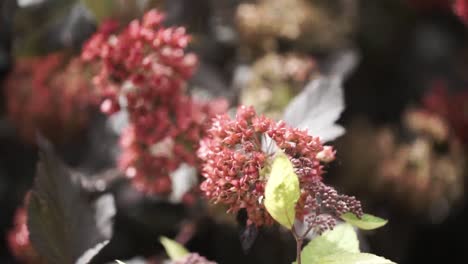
[101, 9]
[366, 222]
[352, 258]
[282, 191]
[342, 238]
[174, 250]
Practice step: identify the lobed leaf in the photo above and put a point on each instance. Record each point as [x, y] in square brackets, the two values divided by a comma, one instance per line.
[64, 226]
[321, 102]
[352, 258]
[342, 238]
[338, 246]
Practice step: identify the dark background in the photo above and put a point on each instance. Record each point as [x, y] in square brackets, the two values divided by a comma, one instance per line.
[404, 46]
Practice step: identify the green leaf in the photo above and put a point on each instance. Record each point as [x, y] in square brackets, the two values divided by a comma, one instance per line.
[352, 258]
[174, 250]
[101, 9]
[366, 222]
[338, 246]
[282, 191]
[49, 26]
[342, 238]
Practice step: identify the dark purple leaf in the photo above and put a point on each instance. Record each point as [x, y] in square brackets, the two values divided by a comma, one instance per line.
[248, 236]
[65, 226]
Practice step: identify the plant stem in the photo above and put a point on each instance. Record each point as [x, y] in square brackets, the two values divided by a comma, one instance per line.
[299, 241]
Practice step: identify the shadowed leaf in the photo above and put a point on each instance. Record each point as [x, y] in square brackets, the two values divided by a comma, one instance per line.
[248, 236]
[64, 226]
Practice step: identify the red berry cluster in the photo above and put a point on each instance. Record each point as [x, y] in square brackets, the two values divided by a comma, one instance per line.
[323, 205]
[48, 95]
[144, 69]
[236, 163]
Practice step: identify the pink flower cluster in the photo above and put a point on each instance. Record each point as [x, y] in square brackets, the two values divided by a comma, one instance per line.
[144, 69]
[48, 95]
[144, 61]
[235, 164]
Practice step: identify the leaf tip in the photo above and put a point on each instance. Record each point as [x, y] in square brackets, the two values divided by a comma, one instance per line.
[173, 249]
[365, 222]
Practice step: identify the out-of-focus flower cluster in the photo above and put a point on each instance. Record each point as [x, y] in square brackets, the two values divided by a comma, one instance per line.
[430, 4]
[426, 174]
[275, 79]
[143, 69]
[193, 258]
[18, 238]
[236, 168]
[49, 95]
[452, 107]
[306, 23]
[460, 8]
[256, 18]
[419, 166]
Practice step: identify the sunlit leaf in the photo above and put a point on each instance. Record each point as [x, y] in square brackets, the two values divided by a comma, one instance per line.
[352, 258]
[321, 103]
[101, 9]
[342, 238]
[366, 222]
[282, 191]
[338, 246]
[183, 179]
[89, 254]
[174, 250]
[136, 260]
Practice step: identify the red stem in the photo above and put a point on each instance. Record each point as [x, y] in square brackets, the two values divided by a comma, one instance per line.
[299, 241]
[298, 249]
